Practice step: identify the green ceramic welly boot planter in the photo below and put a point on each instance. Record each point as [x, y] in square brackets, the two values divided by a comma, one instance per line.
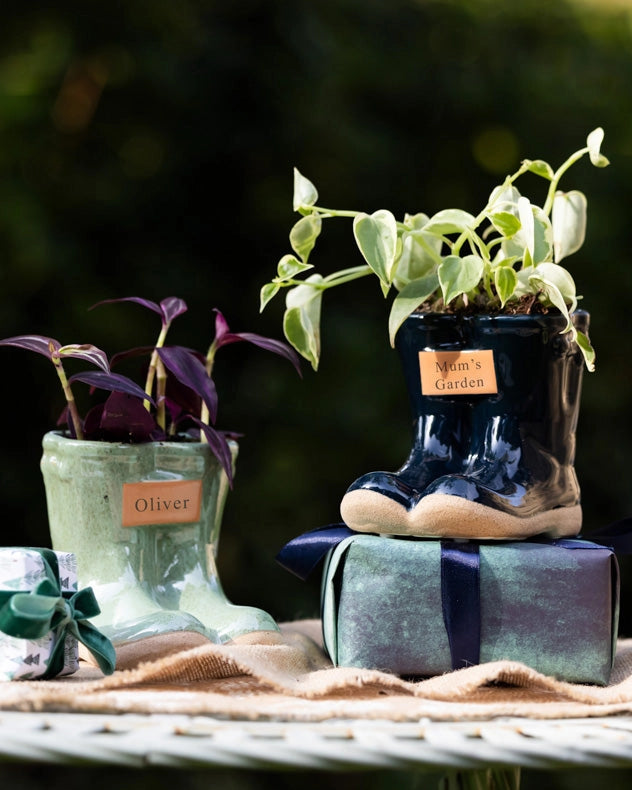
[136, 489]
[132, 515]
[181, 558]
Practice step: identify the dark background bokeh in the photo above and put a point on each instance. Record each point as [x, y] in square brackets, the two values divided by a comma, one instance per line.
[146, 148]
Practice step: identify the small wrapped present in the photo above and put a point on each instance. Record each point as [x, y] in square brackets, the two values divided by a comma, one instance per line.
[43, 616]
[418, 607]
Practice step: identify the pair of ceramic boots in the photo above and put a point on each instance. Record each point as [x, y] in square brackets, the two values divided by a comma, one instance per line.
[497, 465]
[157, 586]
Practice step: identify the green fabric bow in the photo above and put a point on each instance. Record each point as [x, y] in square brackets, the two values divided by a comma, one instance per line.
[32, 615]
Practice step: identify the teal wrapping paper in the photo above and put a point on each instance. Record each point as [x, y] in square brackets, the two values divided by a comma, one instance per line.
[550, 607]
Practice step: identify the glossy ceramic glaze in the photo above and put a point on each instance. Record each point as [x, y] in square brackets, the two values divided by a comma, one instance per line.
[155, 578]
[511, 451]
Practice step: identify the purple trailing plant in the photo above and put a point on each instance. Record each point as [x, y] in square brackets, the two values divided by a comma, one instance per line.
[179, 398]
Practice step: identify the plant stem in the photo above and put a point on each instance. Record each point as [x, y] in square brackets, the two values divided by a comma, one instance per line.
[161, 387]
[153, 364]
[70, 398]
[204, 413]
[558, 175]
[332, 212]
[337, 278]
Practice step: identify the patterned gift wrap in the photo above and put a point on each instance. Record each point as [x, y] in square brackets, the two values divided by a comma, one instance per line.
[22, 570]
[419, 607]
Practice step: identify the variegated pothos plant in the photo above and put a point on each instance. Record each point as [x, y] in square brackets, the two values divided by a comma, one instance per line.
[507, 255]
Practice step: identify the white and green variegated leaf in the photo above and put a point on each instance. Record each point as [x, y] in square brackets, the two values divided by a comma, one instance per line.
[301, 321]
[505, 281]
[409, 299]
[421, 253]
[534, 241]
[568, 219]
[268, 292]
[459, 275]
[587, 350]
[527, 221]
[415, 221]
[451, 220]
[504, 198]
[594, 141]
[540, 168]
[506, 223]
[376, 237]
[289, 267]
[305, 193]
[558, 286]
[304, 234]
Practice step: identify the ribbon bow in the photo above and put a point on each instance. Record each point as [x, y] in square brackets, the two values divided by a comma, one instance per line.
[34, 614]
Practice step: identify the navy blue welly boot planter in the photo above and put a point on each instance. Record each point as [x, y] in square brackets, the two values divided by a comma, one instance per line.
[518, 380]
[440, 438]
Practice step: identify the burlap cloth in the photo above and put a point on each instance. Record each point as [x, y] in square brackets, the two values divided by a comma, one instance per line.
[293, 680]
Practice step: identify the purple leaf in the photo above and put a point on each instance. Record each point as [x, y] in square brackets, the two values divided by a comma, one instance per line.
[87, 352]
[219, 446]
[221, 327]
[38, 343]
[267, 343]
[124, 418]
[112, 382]
[168, 309]
[172, 307]
[186, 366]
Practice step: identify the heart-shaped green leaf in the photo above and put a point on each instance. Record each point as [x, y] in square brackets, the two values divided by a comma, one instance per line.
[268, 292]
[594, 141]
[409, 299]
[421, 253]
[304, 234]
[451, 220]
[540, 168]
[305, 193]
[568, 219]
[459, 275]
[506, 223]
[376, 237]
[559, 288]
[505, 280]
[289, 267]
[301, 321]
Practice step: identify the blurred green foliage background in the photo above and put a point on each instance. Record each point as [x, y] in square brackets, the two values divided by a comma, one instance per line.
[146, 148]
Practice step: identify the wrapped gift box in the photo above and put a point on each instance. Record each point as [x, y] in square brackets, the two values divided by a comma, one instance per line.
[22, 570]
[419, 607]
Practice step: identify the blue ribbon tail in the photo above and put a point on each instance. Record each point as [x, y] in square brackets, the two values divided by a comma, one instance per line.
[461, 601]
[302, 554]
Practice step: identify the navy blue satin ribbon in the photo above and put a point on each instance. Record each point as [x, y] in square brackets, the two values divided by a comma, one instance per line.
[302, 554]
[461, 601]
[460, 574]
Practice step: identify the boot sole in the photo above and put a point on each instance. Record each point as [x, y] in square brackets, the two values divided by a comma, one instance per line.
[444, 516]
